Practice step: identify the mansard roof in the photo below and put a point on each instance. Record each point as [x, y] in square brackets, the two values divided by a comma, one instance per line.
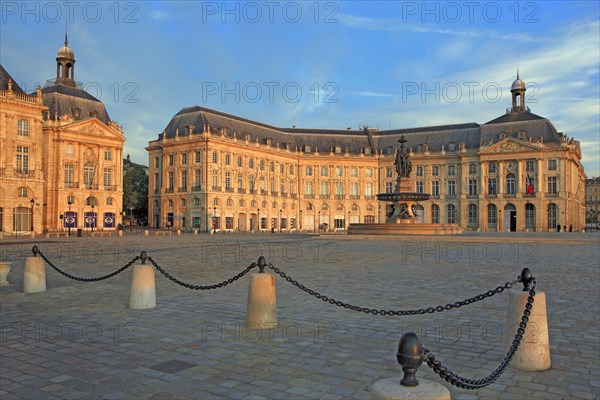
[61, 99]
[470, 135]
[4, 77]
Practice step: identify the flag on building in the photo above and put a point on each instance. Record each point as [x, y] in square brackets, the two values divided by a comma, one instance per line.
[529, 183]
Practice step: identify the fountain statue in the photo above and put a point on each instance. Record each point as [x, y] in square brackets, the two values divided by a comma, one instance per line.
[401, 217]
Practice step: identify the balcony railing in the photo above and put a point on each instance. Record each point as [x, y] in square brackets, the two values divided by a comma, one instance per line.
[169, 190]
[324, 196]
[93, 186]
[294, 196]
[274, 194]
[229, 190]
[354, 196]
[182, 189]
[309, 196]
[263, 192]
[552, 194]
[369, 197]
[450, 197]
[196, 188]
[71, 185]
[216, 188]
[340, 197]
[241, 191]
[492, 195]
[110, 188]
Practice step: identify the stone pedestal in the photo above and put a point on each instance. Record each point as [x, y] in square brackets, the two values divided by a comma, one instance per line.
[120, 233]
[534, 351]
[178, 232]
[391, 389]
[262, 307]
[196, 232]
[143, 292]
[146, 232]
[4, 270]
[34, 275]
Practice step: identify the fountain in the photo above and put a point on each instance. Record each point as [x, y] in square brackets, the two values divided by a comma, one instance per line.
[401, 219]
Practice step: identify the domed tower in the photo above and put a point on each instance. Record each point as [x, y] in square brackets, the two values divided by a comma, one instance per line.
[65, 65]
[518, 91]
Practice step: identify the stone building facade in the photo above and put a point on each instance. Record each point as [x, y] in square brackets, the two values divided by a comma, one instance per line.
[75, 156]
[210, 170]
[592, 201]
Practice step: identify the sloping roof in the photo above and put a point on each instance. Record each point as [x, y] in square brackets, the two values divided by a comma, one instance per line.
[61, 99]
[4, 77]
[471, 134]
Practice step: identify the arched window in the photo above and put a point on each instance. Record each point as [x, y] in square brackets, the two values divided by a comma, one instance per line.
[91, 201]
[264, 204]
[369, 207]
[309, 206]
[472, 211]
[170, 203]
[529, 216]
[510, 184]
[183, 203]
[435, 214]
[253, 204]
[552, 216]
[229, 203]
[492, 215]
[242, 203]
[354, 207]
[451, 214]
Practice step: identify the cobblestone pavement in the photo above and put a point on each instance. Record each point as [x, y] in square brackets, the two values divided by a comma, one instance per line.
[81, 341]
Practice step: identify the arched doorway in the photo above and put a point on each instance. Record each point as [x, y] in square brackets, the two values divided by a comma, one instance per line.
[530, 217]
[552, 216]
[510, 217]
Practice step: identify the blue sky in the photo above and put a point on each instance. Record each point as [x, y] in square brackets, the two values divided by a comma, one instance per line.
[319, 64]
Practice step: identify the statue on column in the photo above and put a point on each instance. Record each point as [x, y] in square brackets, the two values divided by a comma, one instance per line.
[403, 163]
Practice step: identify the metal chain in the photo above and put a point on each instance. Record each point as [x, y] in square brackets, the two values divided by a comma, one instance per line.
[77, 278]
[466, 383]
[200, 287]
[375, 311]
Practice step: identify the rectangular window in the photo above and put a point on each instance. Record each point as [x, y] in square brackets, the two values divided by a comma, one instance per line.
[419, 170]
[198, 157]
[23, 127]
[435, 170]
[215, 180]
[251, 163]
[529, 166]
[472, 168]
[240, 182]
[354, 171]
[171, 159]
[473, 187]
[324, 171]
[183, 158]
[69, 150]
[107, 155]
[369, 173]
[492, 168]
[184, 180]
[492, 186]
[240, 162]
[156, 162]
[435, 188]
[214, 157]
[339, 171]
[107, 178]
[552, 185]
[451, 170]
[435, 214]
[339, 188]
[69, 174]
[227, 159]
[324, 188]
[388, 187]
[22, 159]
[369, 189]
[308, 188]
[261, 165]
[388, 172]
[354, 189]
[308, 171]
[552, 165]
[171, 180]
[227, 179]
[251, 184]
[272, 167]
[420, 187]
[452, 188]
[491, 216]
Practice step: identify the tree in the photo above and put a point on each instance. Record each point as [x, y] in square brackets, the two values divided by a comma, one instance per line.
[135, 191]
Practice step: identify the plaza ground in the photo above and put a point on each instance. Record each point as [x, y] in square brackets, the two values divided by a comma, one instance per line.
[80, 340]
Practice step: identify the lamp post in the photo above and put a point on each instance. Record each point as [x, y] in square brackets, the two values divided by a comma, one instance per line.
[319, 222]
[131, 219]
[214, 219]
[258, 220]
[280, 221]
[300, 225]
[70, 217]
[93, 218]
[32, 201]
[348, 220]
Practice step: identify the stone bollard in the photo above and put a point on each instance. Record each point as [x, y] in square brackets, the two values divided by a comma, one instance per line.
[4, 271]
[534, 351]
[145, 232]
[262, 308]
[34, 275]
[410, 356]
[178, 232]
[196, 232]
[120, 233]
[143, 292]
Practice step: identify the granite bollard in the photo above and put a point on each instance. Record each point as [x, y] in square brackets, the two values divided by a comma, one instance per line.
[262, 305]
[143, 291]
[34, 275]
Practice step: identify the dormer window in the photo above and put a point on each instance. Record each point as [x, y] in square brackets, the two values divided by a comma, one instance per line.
[367, 150]
[390, 150]
[452, 146]
[268, 141]
[247, 137]
[307, 148]
[337, 149]
[419, 148]
[94, 114]
[76, 111]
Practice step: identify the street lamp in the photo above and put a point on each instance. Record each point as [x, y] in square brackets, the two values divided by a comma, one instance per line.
[348, 219]
[280, 221]
[69, 219]
[319, 222]
[300, 225]
[32, 201]
[214, 219]
[131, 219]
[93, 218]
[258, 220]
